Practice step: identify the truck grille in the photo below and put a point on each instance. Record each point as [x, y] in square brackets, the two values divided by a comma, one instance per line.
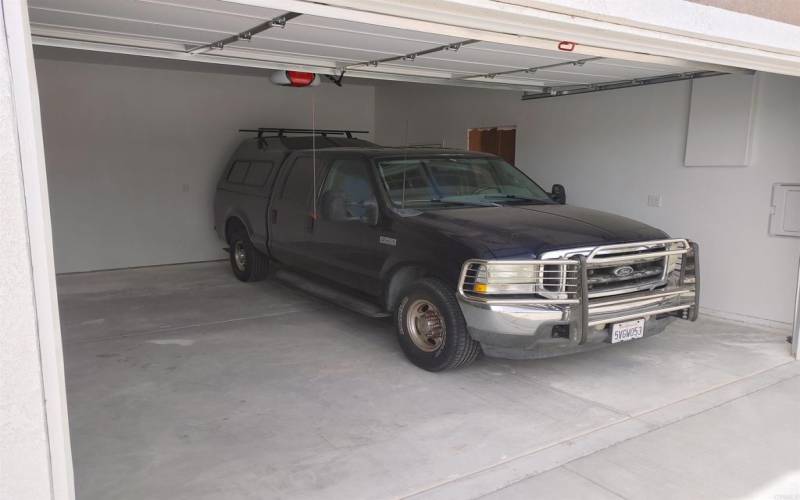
[616, 269]
[625, 275]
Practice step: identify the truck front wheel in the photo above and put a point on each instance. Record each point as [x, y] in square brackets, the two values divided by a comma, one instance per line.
[247, 263]
[431, 328]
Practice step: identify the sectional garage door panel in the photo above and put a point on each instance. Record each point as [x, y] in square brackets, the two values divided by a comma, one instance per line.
[188, 30]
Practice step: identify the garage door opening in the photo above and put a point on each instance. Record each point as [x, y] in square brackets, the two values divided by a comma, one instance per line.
[183, 381]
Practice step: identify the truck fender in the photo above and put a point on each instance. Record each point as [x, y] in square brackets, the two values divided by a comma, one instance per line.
[233, 220]
[402, 276]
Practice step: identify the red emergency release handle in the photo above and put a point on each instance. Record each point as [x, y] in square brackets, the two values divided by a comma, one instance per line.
[567, 46]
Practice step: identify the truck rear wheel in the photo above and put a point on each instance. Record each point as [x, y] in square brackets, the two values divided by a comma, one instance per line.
[431, 328]
[247, 262]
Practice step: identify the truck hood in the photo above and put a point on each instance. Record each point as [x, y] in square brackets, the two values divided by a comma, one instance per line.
[525, 231]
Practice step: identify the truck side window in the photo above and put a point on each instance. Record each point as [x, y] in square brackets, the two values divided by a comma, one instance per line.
[238, 171]
[299, 182]
[347, 194]
[258, 173]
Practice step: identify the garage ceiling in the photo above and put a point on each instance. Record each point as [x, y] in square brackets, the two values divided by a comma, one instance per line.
[188, 29]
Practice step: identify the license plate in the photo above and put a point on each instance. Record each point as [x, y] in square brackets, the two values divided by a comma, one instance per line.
[627, 330]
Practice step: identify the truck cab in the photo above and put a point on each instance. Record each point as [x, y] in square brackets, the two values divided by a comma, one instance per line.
[466, 252]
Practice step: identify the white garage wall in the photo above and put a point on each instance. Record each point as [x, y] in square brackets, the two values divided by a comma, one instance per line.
[134, 147]
[612, 149]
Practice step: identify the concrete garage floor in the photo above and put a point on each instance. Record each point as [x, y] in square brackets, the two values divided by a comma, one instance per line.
[184, 383]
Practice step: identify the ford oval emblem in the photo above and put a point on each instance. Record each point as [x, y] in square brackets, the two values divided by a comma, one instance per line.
[622, 271]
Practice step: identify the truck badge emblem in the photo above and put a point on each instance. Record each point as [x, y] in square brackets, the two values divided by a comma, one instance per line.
[385, 240]
[622, 271]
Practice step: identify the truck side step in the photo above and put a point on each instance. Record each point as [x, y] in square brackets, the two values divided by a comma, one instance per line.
[331, 294]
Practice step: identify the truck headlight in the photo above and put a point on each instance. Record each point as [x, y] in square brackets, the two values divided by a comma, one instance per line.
[551, 280]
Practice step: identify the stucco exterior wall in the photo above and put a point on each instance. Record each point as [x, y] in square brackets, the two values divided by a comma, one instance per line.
[24, 452]
[785, 11]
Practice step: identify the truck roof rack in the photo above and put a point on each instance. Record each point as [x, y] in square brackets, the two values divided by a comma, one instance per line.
[280, 132]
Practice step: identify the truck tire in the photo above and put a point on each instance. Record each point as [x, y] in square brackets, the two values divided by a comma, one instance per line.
[431, 328]
[247, 262]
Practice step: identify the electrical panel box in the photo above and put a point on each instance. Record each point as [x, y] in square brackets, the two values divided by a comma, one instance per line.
[785, 217]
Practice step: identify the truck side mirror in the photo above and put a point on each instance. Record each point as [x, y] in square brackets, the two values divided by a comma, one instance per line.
[559, 194]
[371, 213]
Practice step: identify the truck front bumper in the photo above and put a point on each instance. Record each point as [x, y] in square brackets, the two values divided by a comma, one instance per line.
[540, 330]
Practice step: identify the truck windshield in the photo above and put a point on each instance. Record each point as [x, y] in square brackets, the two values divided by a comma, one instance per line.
[457, 181]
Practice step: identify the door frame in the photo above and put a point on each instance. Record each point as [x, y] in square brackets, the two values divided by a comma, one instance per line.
[25, 96]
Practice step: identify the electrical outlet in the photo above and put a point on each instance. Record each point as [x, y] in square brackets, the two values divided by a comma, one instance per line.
[653, 200]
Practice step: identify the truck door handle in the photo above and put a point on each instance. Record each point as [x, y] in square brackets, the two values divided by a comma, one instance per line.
[274, 216]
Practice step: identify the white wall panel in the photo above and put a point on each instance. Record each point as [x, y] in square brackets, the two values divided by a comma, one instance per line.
[720, 121]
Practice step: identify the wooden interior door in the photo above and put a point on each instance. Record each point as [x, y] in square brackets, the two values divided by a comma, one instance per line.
[507, 144]
[499, 141]
[474, 142]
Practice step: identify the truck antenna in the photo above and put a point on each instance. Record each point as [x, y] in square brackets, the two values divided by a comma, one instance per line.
[405, 167]
[313, 157]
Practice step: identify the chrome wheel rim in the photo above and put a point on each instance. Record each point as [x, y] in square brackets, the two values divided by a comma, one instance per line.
[240, 256]
[425, 325]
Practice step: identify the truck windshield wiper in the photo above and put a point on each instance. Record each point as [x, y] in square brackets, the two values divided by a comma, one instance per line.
[512, 197]
[464, 203]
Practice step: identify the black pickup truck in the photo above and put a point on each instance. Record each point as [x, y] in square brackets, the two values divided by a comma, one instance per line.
[466, 252]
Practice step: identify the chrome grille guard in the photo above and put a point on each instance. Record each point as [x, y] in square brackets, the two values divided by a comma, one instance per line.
[678, 294]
